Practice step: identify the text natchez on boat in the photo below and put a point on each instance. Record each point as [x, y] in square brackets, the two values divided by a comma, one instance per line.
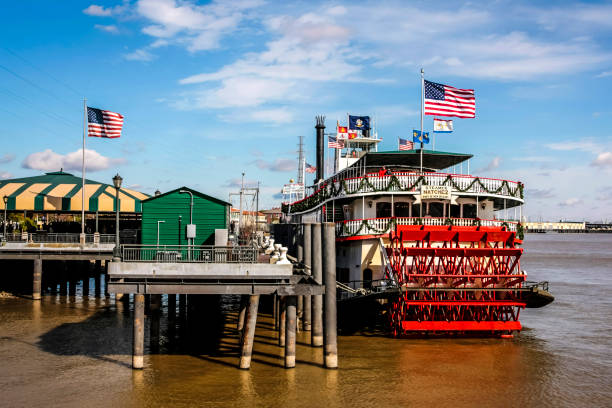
[437, 248]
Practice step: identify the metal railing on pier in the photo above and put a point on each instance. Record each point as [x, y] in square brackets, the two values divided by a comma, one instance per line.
[57, 237]
[189, 253]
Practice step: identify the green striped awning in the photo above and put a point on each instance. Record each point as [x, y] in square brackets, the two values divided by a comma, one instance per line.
[60, 191]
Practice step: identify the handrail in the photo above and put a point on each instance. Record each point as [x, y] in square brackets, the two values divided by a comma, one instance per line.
[189, 253]
[403, 182]
[379, 226]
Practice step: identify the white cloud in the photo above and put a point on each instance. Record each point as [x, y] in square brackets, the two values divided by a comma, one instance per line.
[49, 160]
[5, 175]
[278, 165]
[603, 160]
[139, 55]
[108, 28]
[100, 11]
[581, 145]
[197, 27]
[7, 158]
[273, 116]
[493, 164]
[604, 74]
[571, 202]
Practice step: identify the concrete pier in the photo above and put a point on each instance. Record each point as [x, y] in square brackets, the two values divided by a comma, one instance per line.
[37, 280]
[330, 349]
[138, 336]
[290, 331]
[317, 274]
[249, 332]
[307, 239]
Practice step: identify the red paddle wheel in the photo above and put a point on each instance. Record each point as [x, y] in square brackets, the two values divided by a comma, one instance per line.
[455, 280]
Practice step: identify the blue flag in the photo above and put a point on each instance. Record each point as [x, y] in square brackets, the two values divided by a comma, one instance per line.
[359, 122]
[416, 137]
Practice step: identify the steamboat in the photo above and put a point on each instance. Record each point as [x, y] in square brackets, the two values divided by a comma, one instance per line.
[437, 248]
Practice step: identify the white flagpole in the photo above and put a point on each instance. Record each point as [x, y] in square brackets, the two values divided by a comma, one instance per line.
[83, 172]
[433, 145]
[422, 109]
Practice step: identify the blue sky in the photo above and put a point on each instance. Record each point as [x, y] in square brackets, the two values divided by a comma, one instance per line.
[211, 89]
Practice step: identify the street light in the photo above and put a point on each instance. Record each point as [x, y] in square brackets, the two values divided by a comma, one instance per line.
[159, 222]
[117, 183]
[5, 199]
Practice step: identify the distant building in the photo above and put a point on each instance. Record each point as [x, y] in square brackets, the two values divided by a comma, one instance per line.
[272, 215]
[555, 226]
[248, 218]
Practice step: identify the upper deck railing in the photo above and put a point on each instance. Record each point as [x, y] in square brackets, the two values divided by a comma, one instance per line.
[378, 226]
[396, 182]
[56, 238]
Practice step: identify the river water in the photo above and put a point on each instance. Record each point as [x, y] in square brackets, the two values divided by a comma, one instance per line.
[76, 352]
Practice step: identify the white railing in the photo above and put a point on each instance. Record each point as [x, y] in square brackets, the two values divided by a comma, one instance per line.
[406, 182]
[57, 237]
[377, 226]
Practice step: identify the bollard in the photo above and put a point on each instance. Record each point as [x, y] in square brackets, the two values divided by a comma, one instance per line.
[283, 320]
[244, 301]
[37, 280]
[290, 328]
[249, 332]
[330, 350]
[317, 300]
[307, 312]
[138, 336]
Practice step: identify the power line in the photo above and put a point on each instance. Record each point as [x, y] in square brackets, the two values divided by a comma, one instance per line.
[40, 88]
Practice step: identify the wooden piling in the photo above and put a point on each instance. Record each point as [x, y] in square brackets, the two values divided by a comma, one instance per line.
[290, 329]
[97, 280]
[86, 266]
[72, 276]
[63, 278]
[37, 280]
[282, 305]
[244, 302]
[307, 239]
[138, 336]
[330, 349]
[249, 332]
[155, 322]
[172, 307]
[182, 307]
[317, 300]
[106, 278]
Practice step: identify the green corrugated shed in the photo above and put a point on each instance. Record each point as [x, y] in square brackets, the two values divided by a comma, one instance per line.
[209, 213]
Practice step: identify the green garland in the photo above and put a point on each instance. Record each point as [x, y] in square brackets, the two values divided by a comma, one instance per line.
[520, 231]
[329, 190]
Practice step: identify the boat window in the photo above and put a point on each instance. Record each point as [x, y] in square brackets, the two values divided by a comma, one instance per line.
[469, 210]
[383, 210]
[455, 211]
[436, 209]
[401, 209]
[343, 274]
[367, 278]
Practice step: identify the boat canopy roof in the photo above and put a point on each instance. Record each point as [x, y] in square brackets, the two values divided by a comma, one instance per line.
[432, 160]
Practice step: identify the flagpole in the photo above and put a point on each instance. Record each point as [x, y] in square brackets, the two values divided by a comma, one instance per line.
[422, 108]
[83, 173]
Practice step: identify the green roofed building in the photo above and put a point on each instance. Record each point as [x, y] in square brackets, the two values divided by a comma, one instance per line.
[170, 212]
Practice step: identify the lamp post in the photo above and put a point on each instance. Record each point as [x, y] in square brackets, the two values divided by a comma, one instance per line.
[159, 222]
[5, 199]
[189, 238]
[117, 183]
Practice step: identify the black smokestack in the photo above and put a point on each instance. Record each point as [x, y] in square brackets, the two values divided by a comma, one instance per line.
[320, 126]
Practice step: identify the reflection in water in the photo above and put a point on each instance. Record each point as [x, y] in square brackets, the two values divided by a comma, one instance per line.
[75, 353]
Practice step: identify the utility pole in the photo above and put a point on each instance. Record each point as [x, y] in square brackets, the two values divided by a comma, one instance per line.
[240, 213]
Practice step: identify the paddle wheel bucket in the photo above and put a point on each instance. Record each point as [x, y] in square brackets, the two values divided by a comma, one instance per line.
[455, 280]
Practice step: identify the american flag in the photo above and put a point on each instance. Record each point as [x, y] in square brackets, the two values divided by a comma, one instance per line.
[102, 123]
[405, 144]
[446, 100]
[334, 143]
[310, 168]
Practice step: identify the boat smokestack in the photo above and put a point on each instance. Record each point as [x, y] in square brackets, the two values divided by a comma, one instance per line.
[320, 126]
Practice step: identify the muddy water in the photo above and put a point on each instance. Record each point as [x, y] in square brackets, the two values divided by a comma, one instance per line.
[76, 352]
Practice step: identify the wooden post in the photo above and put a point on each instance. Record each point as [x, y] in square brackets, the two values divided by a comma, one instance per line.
[97, 273]
[106, 293]
[249, 332]
[307, 237]
[138, 336]
[244, 302]
[317, 300]
[290, 327]
[330, 350]
[37, 280]
[72, 276]
[182, 307]
[283, 320]
[63, 278]
[171, 307]
[86, 265]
